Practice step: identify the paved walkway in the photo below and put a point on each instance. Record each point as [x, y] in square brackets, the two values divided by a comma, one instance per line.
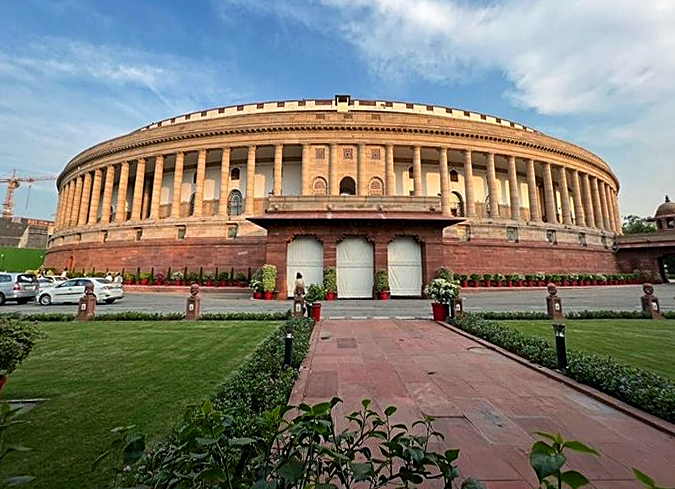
[487, 405]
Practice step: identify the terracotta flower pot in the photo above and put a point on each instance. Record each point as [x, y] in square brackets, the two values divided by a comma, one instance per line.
[384, 295]
[257, 295]
[269, 295]
[331, 296]
[465, 283]
[316, 311]
[440, 311]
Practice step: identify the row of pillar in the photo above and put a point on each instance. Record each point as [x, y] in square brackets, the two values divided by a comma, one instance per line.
[595, 202]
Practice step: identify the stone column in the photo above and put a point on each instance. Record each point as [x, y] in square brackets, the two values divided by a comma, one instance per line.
[470, 201]
[564, 197]
[278, 168]
[445, 181]
[95, 196]
[604, 189]
[532, 193]
[84, 200]
[70, 197]
[332, 170]
[250, 178]
[612, 209]
[59, 207]
[177, 185]
[121, 207]
[137, 199]
[157, 187]
[65, 189]
[514, 199]
[492, 186]
[597, 205]
[361, 182]
[417, 171]
[617, 213]
[579, 214]
[549, 194]
[107, 193]
[199, 184]
[225, 182]
[587, 200]
[304, 172]
[77, 201]
[390, 176]
[604, 206]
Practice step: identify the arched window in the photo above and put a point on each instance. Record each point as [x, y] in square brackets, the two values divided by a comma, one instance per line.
[347, 186]
[375, 187]
[454, 177]
[191, 208]
[234, 174]
[234, 203]
[411, 173]
[319, 187]
[456, 204]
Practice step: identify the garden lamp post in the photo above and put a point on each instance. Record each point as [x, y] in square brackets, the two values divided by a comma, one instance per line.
[559, 330]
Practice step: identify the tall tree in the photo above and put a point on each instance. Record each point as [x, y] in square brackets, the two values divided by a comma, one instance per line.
[635, 224]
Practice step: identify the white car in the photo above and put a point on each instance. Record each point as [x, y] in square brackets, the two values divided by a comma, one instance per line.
[72, 290]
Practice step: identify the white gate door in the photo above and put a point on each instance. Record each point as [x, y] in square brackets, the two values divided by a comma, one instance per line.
[404, 257]
[304, 255]
[355, 268]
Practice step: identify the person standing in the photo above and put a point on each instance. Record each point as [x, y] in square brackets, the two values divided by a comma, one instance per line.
[64, 273]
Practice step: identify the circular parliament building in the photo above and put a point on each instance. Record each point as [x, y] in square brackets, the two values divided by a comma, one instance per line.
[360, 185]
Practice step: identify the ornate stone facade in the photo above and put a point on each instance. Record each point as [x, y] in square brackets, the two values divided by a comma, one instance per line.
[179, 192]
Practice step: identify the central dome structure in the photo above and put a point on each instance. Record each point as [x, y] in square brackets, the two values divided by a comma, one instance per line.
[360, 185]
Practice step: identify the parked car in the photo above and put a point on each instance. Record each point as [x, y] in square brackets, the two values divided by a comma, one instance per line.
[50, 281]
[70, 291]
[19, 287]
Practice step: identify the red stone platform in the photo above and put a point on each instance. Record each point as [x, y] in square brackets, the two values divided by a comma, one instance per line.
[486, 403]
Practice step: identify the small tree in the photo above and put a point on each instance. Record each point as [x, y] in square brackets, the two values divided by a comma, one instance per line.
[633, 224]
[330, 279]
[382, 281]
[269, 277]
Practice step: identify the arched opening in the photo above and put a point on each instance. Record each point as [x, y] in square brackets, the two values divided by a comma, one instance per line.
[667, 267]
[234, 203]
[319, 186]
[456, 204]
[191, 207]
[454, 176]
[347, 186]
[304, 255]
[355, 260]
[411, 173]
[404, 259]
[376, 186]
[234, 174]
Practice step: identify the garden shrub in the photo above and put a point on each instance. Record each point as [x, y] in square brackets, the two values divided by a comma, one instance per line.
[537, 315]
[152, 316]
[17, 339]
[640, 388]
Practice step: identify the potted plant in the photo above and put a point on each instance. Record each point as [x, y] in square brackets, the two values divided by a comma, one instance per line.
[159, 278]
[330, 283]
[487, 279]
[475, 280]
[222, 279]
[177, 277]
[145, 278]
[269, 280]
[382, 284]
[498, 278]
[129, 278]
[517, 279]
[442, 292]
[241, 279]
[539, 278]
[464, 280]
[314, 294]
[257, 289]
[17, 339]
[207, 279]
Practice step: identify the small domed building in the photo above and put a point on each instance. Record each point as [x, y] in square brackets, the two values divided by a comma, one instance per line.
[664, 217]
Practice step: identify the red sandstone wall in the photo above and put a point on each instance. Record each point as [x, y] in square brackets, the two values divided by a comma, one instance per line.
[490, 257]
[240, 253]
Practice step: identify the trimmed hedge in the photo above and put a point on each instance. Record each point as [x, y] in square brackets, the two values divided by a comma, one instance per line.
[537, 315]
[153, 316]
[244, 401]
[632, 385]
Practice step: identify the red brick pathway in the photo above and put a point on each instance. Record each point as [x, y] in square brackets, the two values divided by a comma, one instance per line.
[485, 403]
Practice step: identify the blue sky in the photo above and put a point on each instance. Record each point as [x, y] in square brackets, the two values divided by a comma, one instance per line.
[598, 73]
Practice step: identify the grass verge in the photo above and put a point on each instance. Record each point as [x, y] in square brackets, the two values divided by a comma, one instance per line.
[99, 375]
[642, 343]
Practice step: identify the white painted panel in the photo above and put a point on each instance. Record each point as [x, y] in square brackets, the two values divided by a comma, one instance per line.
[290, 179]
[304, 255]
[404, 257]
[167, 188]
[355, 268]
[432, 180]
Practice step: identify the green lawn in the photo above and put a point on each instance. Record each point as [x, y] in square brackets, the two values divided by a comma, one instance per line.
[639, 342]
[99, 375]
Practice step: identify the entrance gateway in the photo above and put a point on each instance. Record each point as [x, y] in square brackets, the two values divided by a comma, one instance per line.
[355, 268]
[404, 258]
[304, 255]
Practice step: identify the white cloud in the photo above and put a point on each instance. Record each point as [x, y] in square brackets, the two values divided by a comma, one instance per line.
[59, 96]
[611, 62]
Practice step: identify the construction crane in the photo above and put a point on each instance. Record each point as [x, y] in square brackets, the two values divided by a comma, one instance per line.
[13, 183]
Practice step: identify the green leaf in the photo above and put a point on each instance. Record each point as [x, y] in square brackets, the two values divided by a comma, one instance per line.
[321, 408]
[644, 478]
[133, 450]
[365, 403]
[574, 479]
[207, 407]
[545, 464]
[579, 447]
[205, 442]
[242, 441]
[452, 454]
[19, 480]
[543, 434]
[99, 459]
[212, 475]
[291, 470]
[17, 448]
[390, 410]
[362, 471]
[542, 447]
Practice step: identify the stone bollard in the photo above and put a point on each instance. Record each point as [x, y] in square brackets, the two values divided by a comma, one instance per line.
[554, 303]
[87, 306]
[650, 303]
[456, 308]
[193, 307]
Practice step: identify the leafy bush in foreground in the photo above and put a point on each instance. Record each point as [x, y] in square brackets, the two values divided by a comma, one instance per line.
[635, 386]
[152, 316]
